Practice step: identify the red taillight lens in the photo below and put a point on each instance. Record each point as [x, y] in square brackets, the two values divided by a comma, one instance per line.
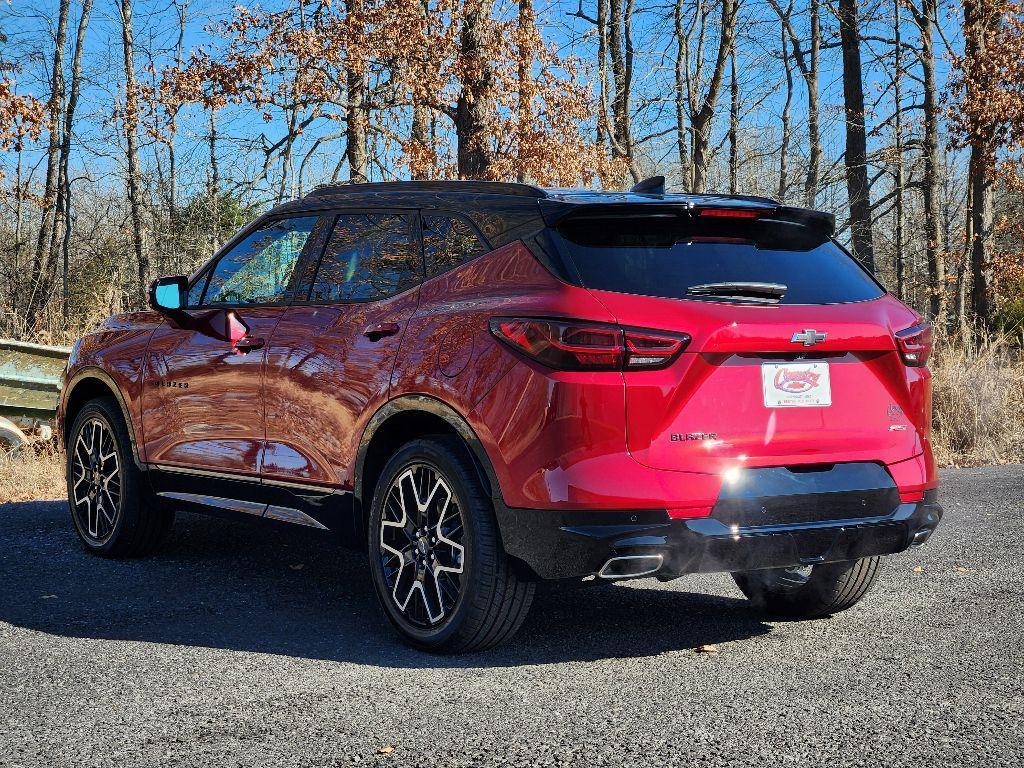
[915, 344]
[729, 213]
[645, 349]
[572, 345]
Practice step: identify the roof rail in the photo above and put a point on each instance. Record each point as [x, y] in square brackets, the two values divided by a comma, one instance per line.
[474, 187]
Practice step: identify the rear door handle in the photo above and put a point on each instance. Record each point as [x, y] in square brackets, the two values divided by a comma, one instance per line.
[378, 331]
[248, 344]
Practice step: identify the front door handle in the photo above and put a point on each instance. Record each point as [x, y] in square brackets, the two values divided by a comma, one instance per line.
[378, 331]
[248, 344]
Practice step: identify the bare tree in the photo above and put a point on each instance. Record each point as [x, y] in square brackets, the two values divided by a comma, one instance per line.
[355, 114]
[808, 63]
[702, 104]
[786, 128]
[620, 49]
[980, 18]
[734, 125]
[473, 111]
[856, 158]
[925, 18]
[131, 130]
[42, 261]
[64, 192]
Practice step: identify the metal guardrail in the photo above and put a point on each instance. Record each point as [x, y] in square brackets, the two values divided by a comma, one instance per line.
[30, 382]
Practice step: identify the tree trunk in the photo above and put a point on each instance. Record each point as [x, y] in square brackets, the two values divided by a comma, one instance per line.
[936, 267]
[131, 130]
[620, 47]
[64, 194]
[473, 111]
[899, 182]
[526, 37]
[807, 63]
[41, 262]
[214, 191]
[355, 116]
[734, 126]
[980, 19]
[786, 130]
[857, 185]
[172, 159]
[603, 120]
[702, 119]
[813, 110]
[419, 133]
[981, 215]
[682, 136]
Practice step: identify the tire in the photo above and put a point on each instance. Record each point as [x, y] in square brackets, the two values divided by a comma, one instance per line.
[826, 589]
[12, 439]
[467, 600]
[112, 514]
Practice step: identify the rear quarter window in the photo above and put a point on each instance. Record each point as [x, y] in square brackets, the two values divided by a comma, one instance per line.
[667, 256]
[448, 240]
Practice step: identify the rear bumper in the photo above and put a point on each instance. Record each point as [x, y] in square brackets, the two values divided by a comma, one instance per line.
[561, 545]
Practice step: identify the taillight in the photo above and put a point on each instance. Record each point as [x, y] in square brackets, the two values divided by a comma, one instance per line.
[915, 344]
[572, 345]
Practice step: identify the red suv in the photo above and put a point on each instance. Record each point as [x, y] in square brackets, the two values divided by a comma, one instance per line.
[486, 384]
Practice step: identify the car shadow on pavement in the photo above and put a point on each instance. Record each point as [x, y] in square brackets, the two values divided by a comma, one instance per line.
[276, 589]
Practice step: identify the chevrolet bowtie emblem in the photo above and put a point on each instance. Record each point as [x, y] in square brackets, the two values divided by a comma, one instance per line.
[807, 337]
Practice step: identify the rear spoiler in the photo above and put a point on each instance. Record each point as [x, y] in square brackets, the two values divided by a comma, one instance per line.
[557, 211]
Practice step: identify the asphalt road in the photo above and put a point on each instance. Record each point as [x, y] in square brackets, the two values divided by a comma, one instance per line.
[261, 646]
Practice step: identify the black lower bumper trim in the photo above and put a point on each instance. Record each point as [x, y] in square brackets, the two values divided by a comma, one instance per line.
[557, 545]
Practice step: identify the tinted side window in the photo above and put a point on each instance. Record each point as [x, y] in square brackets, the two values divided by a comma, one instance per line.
[448, 241]
[369, 256]
[195, 291]
[258, 269]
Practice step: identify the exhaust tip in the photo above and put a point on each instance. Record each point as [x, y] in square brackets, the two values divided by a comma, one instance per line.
[631, 566]
[921, 536]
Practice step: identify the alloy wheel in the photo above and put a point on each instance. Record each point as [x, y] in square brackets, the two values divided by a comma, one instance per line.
[421, 545]
[792, 578]
[96, 481]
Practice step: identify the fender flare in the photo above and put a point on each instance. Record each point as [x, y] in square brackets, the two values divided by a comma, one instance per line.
[435, 407]
[98, 374]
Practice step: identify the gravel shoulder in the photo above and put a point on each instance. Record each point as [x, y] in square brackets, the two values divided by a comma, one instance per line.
[243, 645]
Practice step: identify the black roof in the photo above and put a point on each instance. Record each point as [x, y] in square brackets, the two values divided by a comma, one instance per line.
[566, 195]
[505, 211]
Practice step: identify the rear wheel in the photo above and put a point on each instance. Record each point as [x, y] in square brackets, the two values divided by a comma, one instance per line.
[811, 591]
[105, 488]
[440, 573]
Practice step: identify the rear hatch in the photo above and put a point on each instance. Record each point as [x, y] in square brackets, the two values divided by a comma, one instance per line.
[793, 359]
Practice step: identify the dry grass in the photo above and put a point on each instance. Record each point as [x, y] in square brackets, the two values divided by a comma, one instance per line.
[979, 401]
[32, 475]
[978, 398]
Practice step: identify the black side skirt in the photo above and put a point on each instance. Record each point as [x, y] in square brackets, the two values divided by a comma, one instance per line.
[240, 497]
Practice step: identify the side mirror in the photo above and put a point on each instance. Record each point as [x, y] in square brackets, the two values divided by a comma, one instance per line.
[168, 294]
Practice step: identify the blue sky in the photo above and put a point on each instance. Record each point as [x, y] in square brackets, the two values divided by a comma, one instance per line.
[28, 26]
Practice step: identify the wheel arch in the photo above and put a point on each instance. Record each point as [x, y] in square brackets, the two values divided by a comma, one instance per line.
[406, 418]
[90, 384]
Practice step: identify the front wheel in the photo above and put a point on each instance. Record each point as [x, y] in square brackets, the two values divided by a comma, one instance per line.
[438, 567]
[109, 507]
[809, 592]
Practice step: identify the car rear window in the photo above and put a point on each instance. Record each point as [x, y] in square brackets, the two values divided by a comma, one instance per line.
[676, 256]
